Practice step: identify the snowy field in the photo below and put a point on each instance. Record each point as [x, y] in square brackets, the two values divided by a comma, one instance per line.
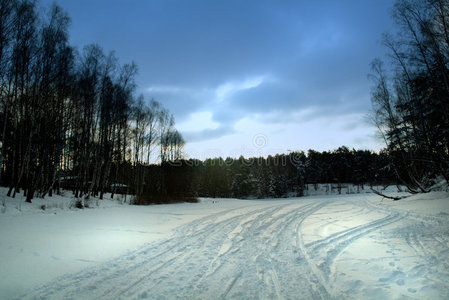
[354, 246]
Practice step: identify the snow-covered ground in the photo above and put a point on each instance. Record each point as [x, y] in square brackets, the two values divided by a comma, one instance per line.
[331, 246]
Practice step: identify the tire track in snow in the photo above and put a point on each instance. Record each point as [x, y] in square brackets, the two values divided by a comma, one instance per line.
[321, 254]
[426, 235]
[431, 267]
[188, 245]
[440, 219]
[169, 252]
[230, 285]
[279, 258]
[158, 268]
[257, 251]
[276, 262]
[291, 245]
[226, 247]
[240, 252]
[252, 239]
[341, 238]
[247, 227]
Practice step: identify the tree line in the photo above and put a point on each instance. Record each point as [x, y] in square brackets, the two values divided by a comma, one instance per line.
[286, 175]
[70, 117]
[411, 98]
[278, 176]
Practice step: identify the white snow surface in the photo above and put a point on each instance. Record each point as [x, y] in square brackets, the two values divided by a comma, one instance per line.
[349, 246]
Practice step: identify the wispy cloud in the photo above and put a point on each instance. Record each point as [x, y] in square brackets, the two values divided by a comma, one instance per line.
[227, 89]
[199, 121]
[208, 133]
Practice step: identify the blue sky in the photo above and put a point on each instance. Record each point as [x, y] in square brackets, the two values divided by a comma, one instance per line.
[247, 77]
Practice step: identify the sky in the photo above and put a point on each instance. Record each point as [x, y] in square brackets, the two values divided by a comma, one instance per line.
[247, 77]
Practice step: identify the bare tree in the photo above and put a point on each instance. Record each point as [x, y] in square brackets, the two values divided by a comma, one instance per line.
[6, 34]
[411, 108]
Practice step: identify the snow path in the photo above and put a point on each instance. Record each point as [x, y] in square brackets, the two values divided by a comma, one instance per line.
[309, 248]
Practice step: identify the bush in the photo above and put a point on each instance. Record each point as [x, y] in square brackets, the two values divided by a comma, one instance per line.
[163, 198]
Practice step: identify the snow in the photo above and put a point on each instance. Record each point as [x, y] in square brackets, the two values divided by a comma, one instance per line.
[356, 246]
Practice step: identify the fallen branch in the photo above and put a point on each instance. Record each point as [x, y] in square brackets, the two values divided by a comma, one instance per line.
[388, 197]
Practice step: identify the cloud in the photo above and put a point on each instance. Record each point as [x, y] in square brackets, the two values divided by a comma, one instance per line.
[199, 121]
[208, 134]
[283, 64]
[227, 89]
[201, 126]
[182, 101]
[292, 66]
[265, 98]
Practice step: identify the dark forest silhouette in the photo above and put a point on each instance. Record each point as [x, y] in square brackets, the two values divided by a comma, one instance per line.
[411, 100]
[72, 120]
[68, 115]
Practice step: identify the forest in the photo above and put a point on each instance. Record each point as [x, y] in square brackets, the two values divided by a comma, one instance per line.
[69, 115]
[279, 176]
[411, 98]
[71, 120]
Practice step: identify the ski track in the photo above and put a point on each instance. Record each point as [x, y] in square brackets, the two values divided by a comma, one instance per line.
[255, 251]
[427, 236]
